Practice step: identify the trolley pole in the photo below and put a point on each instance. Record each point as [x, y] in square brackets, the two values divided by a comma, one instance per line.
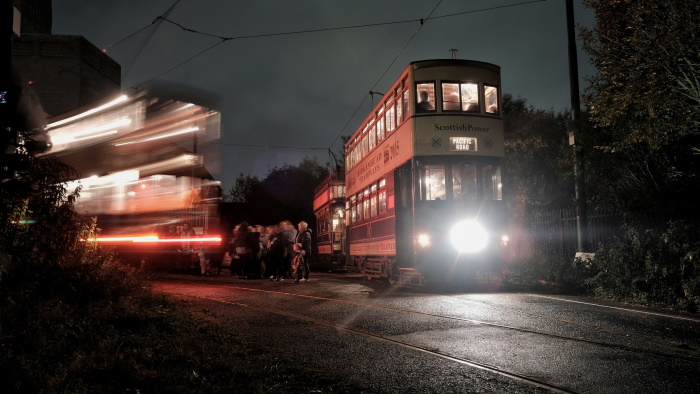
[579, 182]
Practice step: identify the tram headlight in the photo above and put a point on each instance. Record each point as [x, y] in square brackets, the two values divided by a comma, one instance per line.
[504, 240]
[468, 236]
[423, 240]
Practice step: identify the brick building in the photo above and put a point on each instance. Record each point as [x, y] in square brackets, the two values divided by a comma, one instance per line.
[66, 72]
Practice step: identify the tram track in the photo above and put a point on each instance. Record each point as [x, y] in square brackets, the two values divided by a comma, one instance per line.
[671, 350]
[685, 353]
[431, 351]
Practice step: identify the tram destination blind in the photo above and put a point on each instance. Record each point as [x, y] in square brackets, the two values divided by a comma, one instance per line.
[462, 144]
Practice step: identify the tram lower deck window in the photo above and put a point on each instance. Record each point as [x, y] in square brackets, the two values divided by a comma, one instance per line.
[464, 181]
[459, 180]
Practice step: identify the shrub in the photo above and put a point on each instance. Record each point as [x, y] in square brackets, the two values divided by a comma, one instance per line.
[544, 272]
[75, 320]
[650, 266]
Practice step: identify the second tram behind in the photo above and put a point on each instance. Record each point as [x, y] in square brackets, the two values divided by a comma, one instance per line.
[423, 189]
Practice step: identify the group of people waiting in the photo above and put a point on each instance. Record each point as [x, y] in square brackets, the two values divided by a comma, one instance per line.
[273, 252]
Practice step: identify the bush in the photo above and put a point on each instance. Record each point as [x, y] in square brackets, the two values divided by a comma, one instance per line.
[545, 273]
[75, 320]
[650, 266]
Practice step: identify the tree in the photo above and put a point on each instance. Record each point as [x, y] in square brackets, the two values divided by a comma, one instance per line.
[538, 168]
[642, 50]
[291, 188]
[244, 189]
[641, 102]
[286, 192]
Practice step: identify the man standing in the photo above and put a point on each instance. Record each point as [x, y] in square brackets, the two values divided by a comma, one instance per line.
[304, 238]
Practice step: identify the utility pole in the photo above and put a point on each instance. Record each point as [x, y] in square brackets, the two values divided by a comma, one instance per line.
[6, 22]
[579, 181]
[8, 136]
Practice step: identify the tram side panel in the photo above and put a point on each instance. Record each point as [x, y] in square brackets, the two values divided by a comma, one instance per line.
[372, 234]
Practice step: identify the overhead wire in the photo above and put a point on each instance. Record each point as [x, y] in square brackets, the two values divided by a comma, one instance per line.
[430, 17]
[223, 39]
[386, 70]
[127, 37]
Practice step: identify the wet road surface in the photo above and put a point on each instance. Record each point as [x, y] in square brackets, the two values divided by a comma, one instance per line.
[389, 339]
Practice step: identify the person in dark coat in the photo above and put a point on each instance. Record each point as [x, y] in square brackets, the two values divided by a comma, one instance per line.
[304, 239]
[242, 247]
[276, 252]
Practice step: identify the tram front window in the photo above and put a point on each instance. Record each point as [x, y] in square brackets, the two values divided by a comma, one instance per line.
[434, 182]
[493, 189]
[464, 184]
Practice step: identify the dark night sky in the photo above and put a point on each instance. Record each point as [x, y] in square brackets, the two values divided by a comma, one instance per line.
[286, 93]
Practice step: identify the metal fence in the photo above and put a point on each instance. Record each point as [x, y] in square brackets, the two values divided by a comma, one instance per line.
[554, 232]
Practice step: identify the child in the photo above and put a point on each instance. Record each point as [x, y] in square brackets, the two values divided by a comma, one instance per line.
[297, 263]
[204, 262]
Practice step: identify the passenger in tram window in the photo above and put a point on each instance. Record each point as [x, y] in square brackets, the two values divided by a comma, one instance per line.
[471, 107]
[425, 103]
[186, 232]
[450, 102]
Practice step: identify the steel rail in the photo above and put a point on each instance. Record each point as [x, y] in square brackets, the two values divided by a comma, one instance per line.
[447, 356]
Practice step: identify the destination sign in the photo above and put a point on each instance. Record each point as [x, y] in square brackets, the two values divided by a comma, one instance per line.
[463, 144]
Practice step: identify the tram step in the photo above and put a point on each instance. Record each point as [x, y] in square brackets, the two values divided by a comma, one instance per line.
[410, 276]
[373, 268]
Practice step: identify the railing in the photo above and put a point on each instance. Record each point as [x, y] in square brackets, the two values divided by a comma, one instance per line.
[554, 232]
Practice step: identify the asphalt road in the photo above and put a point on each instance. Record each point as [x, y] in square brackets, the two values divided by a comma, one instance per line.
[388, 339]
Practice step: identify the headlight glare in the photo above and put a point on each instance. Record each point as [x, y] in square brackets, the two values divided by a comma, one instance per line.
[424, 240]
[468, 236]
[505, 239]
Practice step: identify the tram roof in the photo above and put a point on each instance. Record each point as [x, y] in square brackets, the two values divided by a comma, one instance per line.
[452, 62]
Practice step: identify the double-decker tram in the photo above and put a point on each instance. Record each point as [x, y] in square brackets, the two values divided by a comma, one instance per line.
[329, 209]
[424, 198]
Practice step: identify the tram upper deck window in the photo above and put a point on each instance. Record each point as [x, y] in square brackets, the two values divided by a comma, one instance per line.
[404, 105]
[460, 97]
[425, 95]
[493, 188]
[491, 99]
[390, 119]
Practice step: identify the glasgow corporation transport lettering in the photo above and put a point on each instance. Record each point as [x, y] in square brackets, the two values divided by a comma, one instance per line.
[460, 127]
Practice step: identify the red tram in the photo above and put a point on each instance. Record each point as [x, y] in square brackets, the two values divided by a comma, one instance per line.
[423, 191]
[329, 209]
